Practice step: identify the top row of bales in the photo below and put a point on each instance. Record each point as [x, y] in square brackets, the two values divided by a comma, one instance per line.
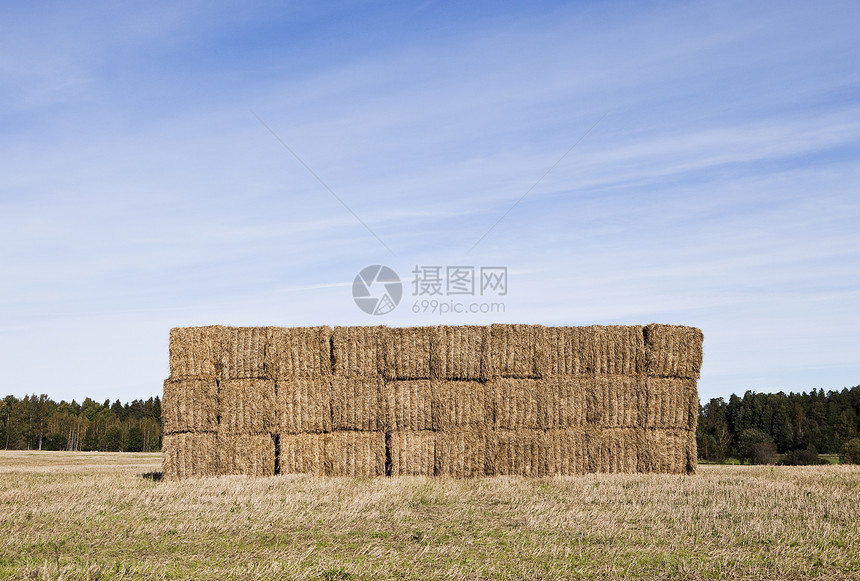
[467, 353]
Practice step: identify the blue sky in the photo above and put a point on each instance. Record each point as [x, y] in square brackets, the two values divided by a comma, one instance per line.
[142, 187]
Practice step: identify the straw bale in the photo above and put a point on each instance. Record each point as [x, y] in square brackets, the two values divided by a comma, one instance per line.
[668, 450]
[250, 455]
[298, 352]
[517, 351]
[673, 351]
[461, 352]
[304, 454]
[461, 404]
[621, 400]
[189, 454]
[413, 453]
[622, 447]
[672, 403]
[520, 452]
[691, 452]
[616, 349]
[190, 405]
[358, 351]
[244, 348]
[517, 403]
[408, 405]
[247, 406]
[407, 352]
[356, 453]
[304, 405]
[357, 403]
[461, 453]
[197, 351]
[564, 401]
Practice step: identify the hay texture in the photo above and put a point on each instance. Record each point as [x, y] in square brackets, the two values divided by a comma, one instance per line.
[304, 454]
[406, 352]
[303, 352]
[190, 405]
[518, 351]
[358, 351]
[357, 403]
[459, 405]
[408, 405]
[672, 403]
[249, 455]
[673, 351]
[460, 353]
[247, 406]
[613, 349]
[197, 351]
[244, 349]
[461, 453]
[187, 454]
[412, 453]
[303, 405]
[356, 454]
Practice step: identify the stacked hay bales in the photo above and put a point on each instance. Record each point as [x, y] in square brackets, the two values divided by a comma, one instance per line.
[445, 401]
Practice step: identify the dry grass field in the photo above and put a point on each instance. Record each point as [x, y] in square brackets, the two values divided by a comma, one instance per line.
[97, 516]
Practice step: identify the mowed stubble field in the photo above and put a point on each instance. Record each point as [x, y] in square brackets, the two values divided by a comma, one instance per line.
[97, 516]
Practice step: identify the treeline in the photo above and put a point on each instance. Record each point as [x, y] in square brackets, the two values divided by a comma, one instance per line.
[758, 426]
[36, 422]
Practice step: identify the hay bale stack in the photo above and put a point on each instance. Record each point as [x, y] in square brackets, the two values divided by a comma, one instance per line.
[673, 351]
[197, 351]
[461, 453]
[449, 401]
[249, 455]
[517, 351]
[413, 453]
[247, 406]
[460, 353]
[190, 405]
[303, 352]
[303, 405]
[459, 405]
[408, 405]
[407, 353]
[357, 403]
[358, 351]
[189, 454]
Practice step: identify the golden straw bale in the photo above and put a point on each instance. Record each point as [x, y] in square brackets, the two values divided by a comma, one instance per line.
[460, 353]
[672, 403]
[244, 348]
[357, 403]
[461, 404]
[304, 405]
[616, 349]
[673, 351]
[408, 405]
[247, 406]
[407, 352]
[189, 454]
[413, 453]
[358, 351]
[356, 453]
[250, 455]
[520, 452]
[518, 351]
[304, 454]
[197, 351]
[517, 403]
[298, 352]
[461, 453]
[190, 405]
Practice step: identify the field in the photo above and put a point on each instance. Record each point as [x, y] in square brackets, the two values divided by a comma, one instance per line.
[103, 516]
